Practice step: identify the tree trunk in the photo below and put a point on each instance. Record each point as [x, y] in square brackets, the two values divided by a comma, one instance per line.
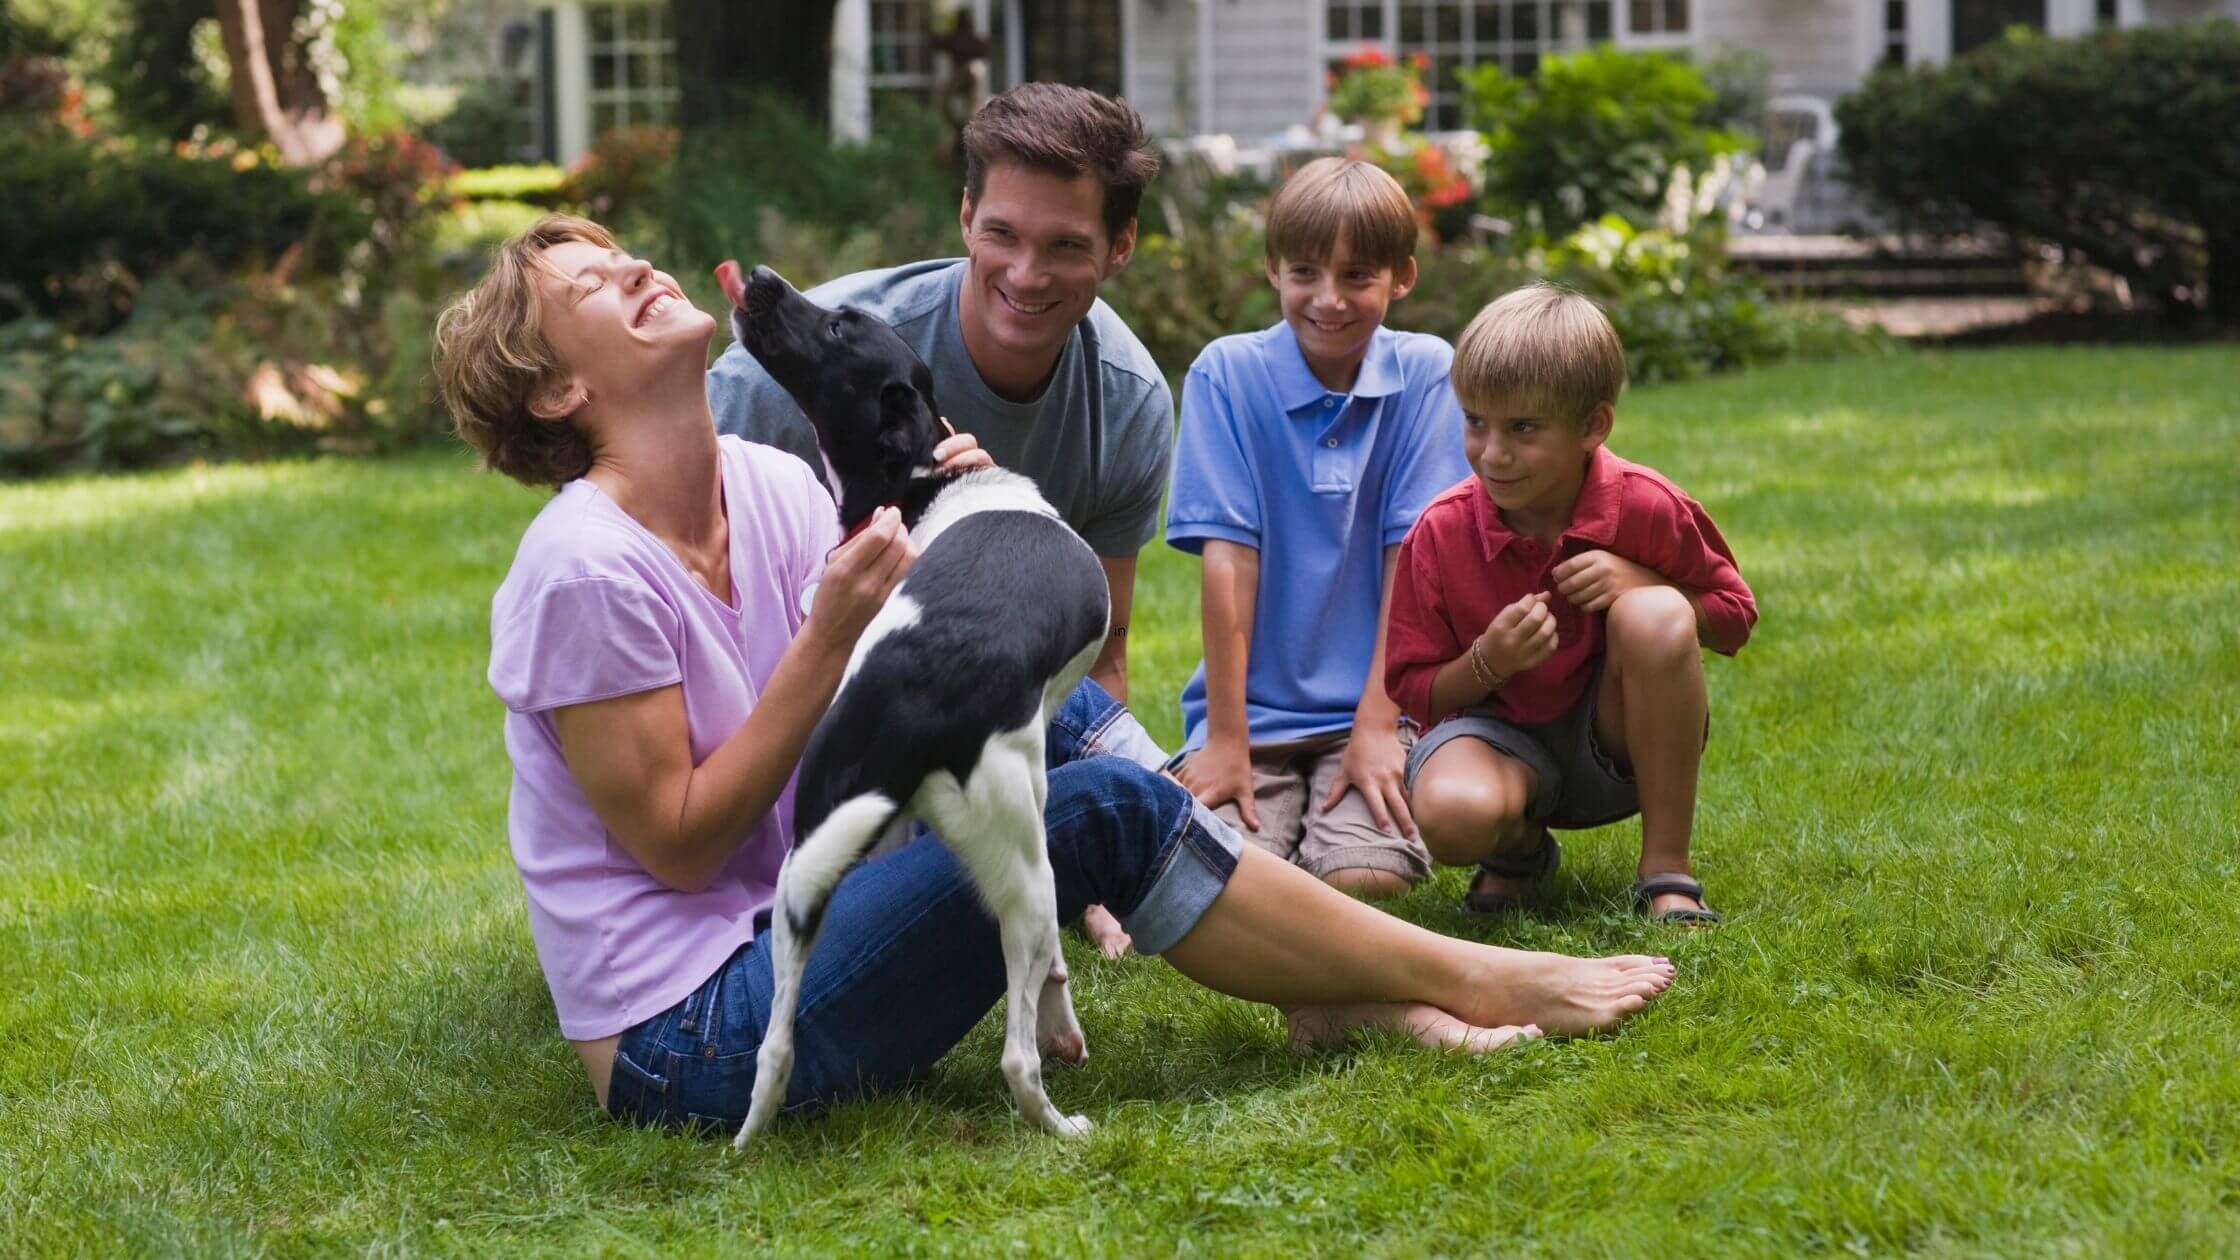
[276, 92]
[725, 49]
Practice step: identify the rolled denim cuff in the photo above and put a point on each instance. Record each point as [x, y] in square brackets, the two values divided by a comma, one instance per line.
[1117, 733]
[1199, 859]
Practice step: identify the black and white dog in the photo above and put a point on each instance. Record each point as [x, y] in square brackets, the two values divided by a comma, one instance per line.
[941, 711]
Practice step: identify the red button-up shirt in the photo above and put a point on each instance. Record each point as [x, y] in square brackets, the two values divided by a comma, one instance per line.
[1460, 566]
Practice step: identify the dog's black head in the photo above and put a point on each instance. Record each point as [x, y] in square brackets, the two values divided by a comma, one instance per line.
[866, 392]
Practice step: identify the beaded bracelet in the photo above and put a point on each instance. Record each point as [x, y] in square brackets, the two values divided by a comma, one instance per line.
[1484, 672]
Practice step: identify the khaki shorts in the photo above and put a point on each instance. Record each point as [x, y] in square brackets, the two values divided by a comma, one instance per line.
[1289, 782]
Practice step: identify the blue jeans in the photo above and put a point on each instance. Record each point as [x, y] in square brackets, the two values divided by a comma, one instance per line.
[908, 960]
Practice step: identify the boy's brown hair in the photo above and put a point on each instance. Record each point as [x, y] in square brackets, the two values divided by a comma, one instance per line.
[492, 358]
[1067, 131]
[1338, 199]
[1541, 346]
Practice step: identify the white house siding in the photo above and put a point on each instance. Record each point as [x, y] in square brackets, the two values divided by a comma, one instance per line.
[2166, 11]
[1817, 47]
[1161, 67]
[1265, 73]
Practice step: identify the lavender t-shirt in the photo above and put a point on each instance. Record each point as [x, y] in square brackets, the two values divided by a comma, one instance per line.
[594, 607]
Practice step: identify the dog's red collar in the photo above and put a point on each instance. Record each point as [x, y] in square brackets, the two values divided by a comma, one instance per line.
[863, 524]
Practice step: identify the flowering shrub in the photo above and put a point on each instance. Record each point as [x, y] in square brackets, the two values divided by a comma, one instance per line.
[626, 172]
[1371, 87]
[42, 88]
[1677, 307]
[1440, 190]
[1592, 133]
[396, 177]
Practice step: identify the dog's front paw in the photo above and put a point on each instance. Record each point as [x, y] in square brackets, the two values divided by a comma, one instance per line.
[1071, 1126]
[754, 1128]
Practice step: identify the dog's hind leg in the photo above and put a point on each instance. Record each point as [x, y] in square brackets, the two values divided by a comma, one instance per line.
[805, 885]
[995, 828]
[1057, 1030]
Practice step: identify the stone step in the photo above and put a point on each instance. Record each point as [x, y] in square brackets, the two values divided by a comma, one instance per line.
[1822, 266]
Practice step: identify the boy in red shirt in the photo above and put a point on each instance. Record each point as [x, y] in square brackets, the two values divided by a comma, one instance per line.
[1546, 614]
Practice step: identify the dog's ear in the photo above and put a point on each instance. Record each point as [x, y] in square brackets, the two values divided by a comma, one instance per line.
[906, 430]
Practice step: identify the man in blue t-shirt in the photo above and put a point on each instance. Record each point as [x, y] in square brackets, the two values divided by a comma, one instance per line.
[1024, 355]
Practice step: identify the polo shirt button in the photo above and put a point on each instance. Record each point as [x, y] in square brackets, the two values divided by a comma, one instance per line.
[1329, 402]
[1332, 444]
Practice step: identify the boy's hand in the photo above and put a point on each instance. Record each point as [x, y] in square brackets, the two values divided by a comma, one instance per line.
[1594, 579]
[1521, 636]
[1219, 773]
[1375, 765]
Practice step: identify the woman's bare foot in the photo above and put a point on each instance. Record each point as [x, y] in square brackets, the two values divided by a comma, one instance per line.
[1322, 1027]
[1566, 996]
[1105, 932]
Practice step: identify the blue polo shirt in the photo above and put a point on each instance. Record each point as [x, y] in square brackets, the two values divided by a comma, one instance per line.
[1320, 484]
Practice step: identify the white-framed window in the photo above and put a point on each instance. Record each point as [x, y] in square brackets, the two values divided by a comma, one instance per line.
[1453, 34]
[1353, 22]
[633, 63]
[1657, 23]
[1893, 32]
[901, 51]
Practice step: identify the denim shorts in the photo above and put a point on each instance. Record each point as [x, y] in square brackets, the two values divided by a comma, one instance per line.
[908, 959]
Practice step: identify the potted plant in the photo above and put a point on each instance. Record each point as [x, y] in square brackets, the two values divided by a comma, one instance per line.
[1382, 94]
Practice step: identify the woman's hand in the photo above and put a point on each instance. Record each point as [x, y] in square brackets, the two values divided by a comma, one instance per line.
[960, 452]
[858, 577]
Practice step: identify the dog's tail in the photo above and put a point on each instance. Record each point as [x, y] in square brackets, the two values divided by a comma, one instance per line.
[819, 859]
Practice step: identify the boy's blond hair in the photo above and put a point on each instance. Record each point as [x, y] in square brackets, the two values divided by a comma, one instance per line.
[492, 358]
[1544, 347]
[1338, 199]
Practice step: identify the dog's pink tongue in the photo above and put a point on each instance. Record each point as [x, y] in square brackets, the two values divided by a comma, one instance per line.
[734, 285]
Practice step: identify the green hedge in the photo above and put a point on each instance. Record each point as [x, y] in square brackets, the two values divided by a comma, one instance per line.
[2123, 148]
[105, 214]
[1598, 132]
[537, 185]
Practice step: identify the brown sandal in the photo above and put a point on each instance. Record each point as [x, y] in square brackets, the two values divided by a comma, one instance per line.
[1539, 865]
[1646, 891]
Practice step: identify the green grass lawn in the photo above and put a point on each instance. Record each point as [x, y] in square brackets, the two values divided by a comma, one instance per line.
[266, 981]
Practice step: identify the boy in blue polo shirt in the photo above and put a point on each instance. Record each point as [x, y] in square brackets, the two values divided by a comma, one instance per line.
[1306, 452]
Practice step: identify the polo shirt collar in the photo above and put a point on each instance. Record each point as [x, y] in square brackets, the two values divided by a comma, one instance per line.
[1297, 387]
[1594, 516]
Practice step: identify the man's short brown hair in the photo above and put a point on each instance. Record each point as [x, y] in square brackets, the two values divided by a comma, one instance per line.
[1339, 199]
[1066, 131]
[1541, 346]
[492, 358]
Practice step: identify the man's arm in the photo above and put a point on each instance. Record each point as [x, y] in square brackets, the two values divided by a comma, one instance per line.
[1111, 669]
